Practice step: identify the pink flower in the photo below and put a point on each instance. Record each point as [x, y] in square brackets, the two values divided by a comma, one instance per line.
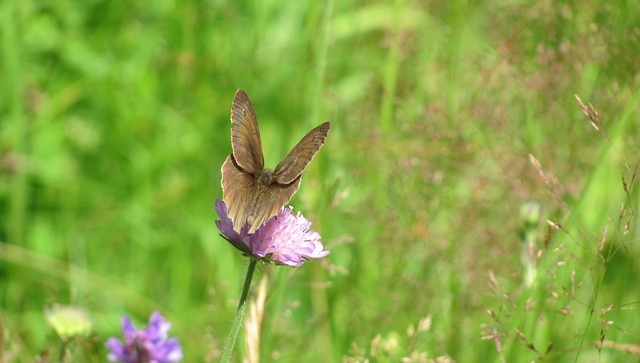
[285, 239]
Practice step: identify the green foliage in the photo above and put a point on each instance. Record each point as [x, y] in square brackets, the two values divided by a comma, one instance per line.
[115, 121]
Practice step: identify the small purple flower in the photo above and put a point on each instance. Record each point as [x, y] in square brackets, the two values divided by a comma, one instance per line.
[285, 239]
[151, 345]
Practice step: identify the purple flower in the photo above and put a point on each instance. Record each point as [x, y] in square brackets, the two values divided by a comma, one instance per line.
[151, 345]
[285, 239]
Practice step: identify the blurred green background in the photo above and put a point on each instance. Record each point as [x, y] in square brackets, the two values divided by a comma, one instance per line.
[115, 122]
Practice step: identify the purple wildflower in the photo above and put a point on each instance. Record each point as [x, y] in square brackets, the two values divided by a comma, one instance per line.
[151, 345]
[285, 239]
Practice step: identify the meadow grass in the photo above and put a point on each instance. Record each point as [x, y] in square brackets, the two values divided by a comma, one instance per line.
[447, 118]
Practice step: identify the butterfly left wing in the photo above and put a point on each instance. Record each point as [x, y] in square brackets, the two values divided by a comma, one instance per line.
[245, 135]
[301, 155]
[238, 192]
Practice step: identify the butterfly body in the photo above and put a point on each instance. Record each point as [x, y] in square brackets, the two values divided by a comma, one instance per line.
[253, 193]
[266, 178]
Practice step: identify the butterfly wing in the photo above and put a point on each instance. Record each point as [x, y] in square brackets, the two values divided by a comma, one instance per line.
[238, 192]
[301, 155]
[269, 201]
[245, 135]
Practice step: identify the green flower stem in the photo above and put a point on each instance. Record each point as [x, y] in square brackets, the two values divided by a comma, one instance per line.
[242, 307]
[63, 349]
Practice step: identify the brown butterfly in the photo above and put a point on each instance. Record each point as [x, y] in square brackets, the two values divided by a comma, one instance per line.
[252, 193]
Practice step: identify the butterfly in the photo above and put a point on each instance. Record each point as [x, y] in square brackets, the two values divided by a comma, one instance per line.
[252, 193]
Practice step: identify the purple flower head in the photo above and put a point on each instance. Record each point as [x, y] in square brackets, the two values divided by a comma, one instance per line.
[285, 239]
[151, 345]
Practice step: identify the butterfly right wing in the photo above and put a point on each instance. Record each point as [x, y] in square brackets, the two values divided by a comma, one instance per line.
[301, 155]
[269, 200]
[238, 192]
[245, 135]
